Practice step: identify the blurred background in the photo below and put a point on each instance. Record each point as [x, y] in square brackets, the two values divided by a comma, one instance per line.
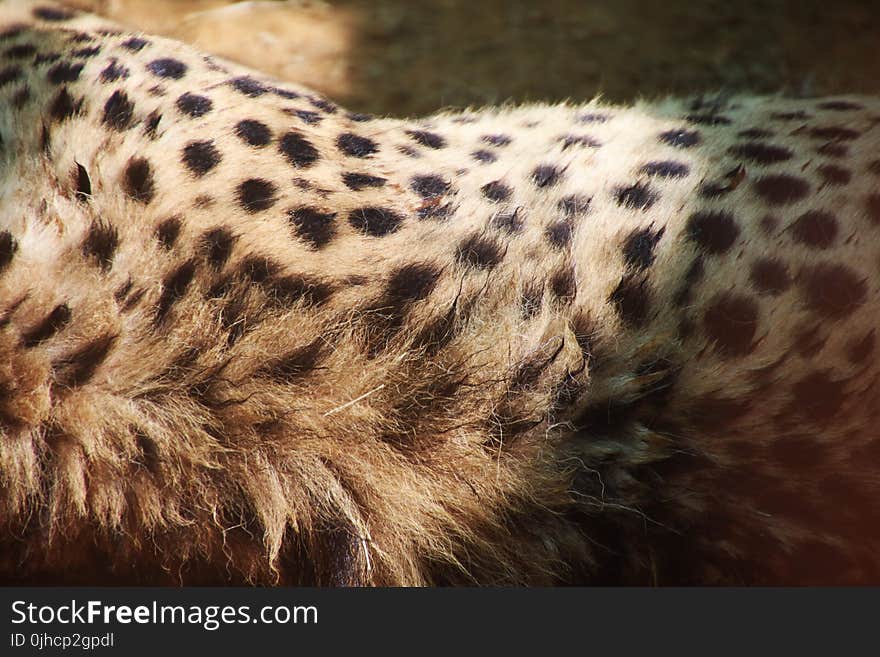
[413, 57]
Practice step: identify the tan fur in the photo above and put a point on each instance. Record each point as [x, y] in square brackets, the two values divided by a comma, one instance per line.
[582, 377]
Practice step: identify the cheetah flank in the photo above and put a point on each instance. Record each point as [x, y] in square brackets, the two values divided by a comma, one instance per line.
[247, 336]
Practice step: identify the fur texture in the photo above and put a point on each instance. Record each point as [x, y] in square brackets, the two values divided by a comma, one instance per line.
[247, 336]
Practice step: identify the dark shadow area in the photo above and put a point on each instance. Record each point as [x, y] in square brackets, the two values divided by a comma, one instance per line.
[412, 58]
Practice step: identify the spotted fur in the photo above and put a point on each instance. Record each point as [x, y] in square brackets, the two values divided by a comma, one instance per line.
[249, 336]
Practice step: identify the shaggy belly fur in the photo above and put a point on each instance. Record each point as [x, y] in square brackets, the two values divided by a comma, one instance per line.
[247, 336]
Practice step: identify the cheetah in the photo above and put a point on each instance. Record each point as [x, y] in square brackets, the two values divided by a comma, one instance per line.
[250, 337]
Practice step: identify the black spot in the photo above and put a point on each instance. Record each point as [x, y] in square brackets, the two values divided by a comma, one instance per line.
[574, 204]
[174, 286]
[411, 282]
[46, 140]
[479, 252]
[83, 183]
[79, 367]
[872, 205]
[797, 115]
[755, 133]
[21, 51]
[313, 226]
[86, 53]
[874, 167]
[833, 149]
[858, 349]
[135, 44]
[100, 244]
[708, 119]
[782, 189]
[564, 285]
[833, 291]
[510, 222]
[632, 300]
[761, 152]
[54, 322]
[835, 133]
[358, 181]
[114, 71]
[356, 145]
[665, 169]
[639, 196]
[731, 321]
[496, 191]
[496, 140]
[592, 117]
[375, 221]
[323, 104]
[295, 364]
[425, 138]
[249, 86]
[12, 31]
[152, 124]
[692, 277]
[8, 247]
[137, 180]
[715, 232]
[559, 233]
[201, 156]
[259, 269]
[297, 288]
[285, 93]
[359, 117]
[309, 117]
[64, 106]
[9, 74]
[433, 209]
[816, 229]
[429, 186]
[253, 132]
[118, 111]
[770, 276]
[483, 156]
[546, 175]
[579, 140]
[46, 58]
[834, 175]
[818, 396]
[256, 194]
[167, 231]
[194, 105]
[840, 105]
[53, 14]
[63, 72]
[167, 67]
[22, 96]
[217, 245]
[638, 248]
[680, 138]
[298, 150]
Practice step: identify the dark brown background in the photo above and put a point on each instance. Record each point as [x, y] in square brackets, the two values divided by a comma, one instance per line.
[409, 57]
